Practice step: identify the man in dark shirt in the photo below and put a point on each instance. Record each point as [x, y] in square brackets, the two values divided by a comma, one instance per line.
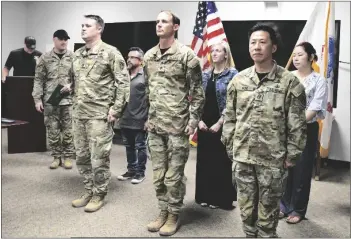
[23, 60]
[134, 118]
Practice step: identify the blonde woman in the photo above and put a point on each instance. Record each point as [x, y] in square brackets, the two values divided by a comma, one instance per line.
[214, 186]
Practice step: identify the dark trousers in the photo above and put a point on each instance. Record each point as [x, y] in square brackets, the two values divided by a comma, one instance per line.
[298, 184]
[135, 142]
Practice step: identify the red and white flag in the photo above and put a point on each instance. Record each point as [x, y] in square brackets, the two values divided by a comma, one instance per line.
[208, 30]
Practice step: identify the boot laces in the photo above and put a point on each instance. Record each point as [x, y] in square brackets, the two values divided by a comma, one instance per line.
[95, 199]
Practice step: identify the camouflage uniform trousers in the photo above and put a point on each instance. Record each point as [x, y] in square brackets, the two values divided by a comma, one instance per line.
[58, 122]
[93, 142]
[169, 154]
[260, 189]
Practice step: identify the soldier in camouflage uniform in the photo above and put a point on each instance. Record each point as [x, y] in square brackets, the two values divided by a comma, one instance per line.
[98, 69]
[264, 132]
[172, 74]
[54, 68]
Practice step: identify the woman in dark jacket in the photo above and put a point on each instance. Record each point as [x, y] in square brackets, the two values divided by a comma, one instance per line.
[214, 187]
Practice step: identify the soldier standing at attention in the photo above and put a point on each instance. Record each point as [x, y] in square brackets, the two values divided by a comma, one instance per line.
[264, 131]
[98, 69]
[55, 68]
[172, 74]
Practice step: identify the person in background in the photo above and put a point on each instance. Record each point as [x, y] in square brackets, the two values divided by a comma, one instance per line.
[214, 187]
[132, 123]
[55, 68]
[264, 132]
[296, 196]
[23, 60]
[173, 74]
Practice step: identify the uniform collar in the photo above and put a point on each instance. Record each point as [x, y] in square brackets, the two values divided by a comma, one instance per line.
[171, 51]
[271, 75]
[92, 51]
[54, 54]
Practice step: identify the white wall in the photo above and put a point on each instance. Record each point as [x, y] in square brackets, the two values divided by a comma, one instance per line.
[14, 27]
[67, 15]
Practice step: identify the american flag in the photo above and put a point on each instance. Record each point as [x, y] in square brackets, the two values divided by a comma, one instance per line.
[208, 30]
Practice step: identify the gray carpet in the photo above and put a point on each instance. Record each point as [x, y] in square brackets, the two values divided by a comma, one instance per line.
[36, 202]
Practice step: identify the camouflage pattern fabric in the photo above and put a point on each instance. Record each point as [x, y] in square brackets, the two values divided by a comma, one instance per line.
[264, 125]
[93, 142]
[169, 154]
[259, 191]
[50, 72]
[58, 122]
[101, 82]
[265, 121]
[171, 79]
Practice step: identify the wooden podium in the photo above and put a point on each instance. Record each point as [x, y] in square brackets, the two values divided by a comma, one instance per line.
[20, 105]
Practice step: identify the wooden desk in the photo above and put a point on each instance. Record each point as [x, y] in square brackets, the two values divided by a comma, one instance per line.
[23, 138]
[16, 123]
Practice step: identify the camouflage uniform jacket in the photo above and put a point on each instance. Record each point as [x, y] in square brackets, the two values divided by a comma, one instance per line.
[265, 122]
[50, 72]
[101, 82]
[171, 80]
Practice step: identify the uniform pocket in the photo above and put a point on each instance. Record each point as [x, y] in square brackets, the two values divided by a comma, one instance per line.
[277, 183]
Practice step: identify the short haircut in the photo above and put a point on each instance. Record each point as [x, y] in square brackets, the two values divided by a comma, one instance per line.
[309, 49]
[138, 49]
[270, 28]
[98, 20]
[175, 20]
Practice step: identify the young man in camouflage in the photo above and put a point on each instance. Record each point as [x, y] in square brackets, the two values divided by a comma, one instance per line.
[173, 73]
[264, 132]
[54, 68]
[98, 69]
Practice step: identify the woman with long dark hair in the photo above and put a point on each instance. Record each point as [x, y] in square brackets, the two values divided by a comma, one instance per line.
[295, 199]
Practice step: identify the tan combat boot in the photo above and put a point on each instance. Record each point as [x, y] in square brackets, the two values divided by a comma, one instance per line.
[56, 163]
[95, 204]
[67, 163]
[83, 200]
[171, 225]
[155, 226]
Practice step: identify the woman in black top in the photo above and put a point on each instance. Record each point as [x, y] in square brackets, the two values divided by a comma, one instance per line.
[214, 186]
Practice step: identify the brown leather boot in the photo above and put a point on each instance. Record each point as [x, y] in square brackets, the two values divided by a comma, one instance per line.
[56, 163]
[171, 225]
[83, 200]
[95, 203]
[155, 225]
[67, 163]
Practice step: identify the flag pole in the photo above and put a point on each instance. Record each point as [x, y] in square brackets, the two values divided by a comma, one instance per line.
[289, 62]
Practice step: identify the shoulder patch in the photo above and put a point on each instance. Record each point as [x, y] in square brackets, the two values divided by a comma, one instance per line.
[193, 60]
[298, 92]
[297, 88]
